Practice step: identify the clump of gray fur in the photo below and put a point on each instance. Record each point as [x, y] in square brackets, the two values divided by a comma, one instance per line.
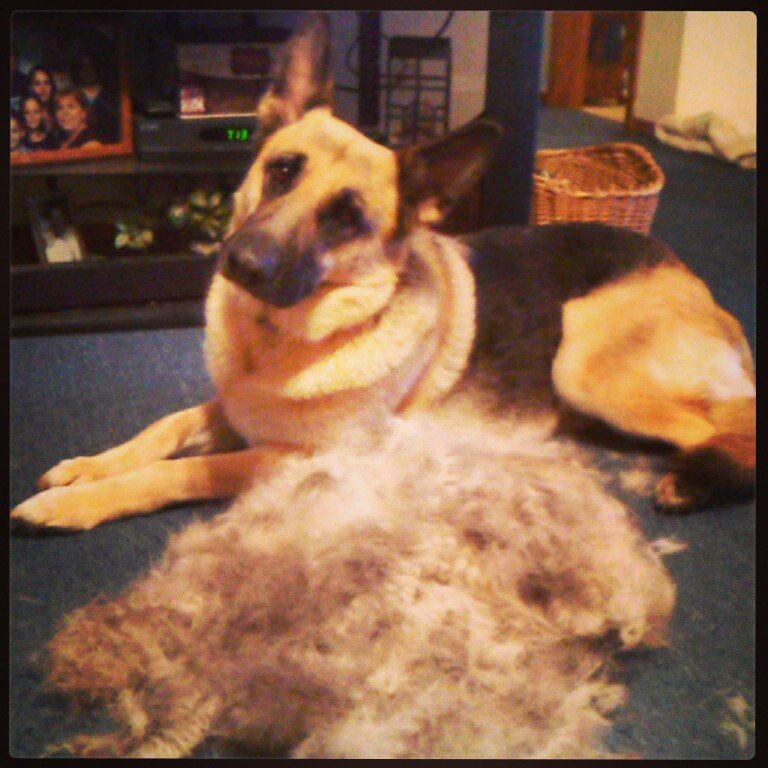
[453, 589]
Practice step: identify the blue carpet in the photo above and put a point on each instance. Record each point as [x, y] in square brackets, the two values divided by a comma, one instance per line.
[73, 395]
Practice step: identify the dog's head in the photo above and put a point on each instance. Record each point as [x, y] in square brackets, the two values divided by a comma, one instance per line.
[322, 203]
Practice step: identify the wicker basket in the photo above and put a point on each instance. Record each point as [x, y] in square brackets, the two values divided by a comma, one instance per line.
[615, 183]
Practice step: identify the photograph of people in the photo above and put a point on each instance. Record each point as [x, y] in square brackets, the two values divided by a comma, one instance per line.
[17, 134]
[18, 79]
[40, 83]
[61, 240]
[69, 88]
[38, 135]
[71, 113]
[56, 237]
[103, 109]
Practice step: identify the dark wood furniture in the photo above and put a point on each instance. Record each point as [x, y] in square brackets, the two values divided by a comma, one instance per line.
[167, 288]
[114, 291]
[512, 99]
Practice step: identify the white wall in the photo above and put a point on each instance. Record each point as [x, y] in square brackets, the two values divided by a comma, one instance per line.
[659, 64]
[699, 61]
[690, 61]
[693, 62]
[718, 66]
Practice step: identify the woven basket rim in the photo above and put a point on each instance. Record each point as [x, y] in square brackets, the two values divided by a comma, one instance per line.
[563, 185]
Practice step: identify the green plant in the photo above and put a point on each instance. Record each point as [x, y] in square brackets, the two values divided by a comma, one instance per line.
[135, 235]
[206, 214]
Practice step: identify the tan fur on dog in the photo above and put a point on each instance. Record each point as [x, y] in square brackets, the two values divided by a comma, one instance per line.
[674, 366]
[651, 378]
[448, 592]
[389, 326]
[335, 306]
[278, 381]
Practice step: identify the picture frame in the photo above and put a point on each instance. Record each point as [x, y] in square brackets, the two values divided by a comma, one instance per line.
[70, 97]
[57, 239]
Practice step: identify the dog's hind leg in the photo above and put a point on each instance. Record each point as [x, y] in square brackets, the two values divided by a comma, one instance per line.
[722, 466]
[716, 439]
[654, 356]
[202, 427]
[149, 488]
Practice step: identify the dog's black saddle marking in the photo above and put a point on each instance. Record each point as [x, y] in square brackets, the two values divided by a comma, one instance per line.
[524, 275]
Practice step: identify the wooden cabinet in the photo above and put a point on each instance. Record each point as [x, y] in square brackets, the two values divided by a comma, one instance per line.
[120, 287]
[113, 288]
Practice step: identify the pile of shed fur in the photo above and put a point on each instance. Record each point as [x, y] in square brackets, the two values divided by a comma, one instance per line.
[454, 588]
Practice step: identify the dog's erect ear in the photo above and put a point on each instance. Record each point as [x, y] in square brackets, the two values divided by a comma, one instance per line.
[434, 176]
[302, 77]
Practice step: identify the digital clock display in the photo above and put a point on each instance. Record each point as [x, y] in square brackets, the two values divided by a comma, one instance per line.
[235, 134]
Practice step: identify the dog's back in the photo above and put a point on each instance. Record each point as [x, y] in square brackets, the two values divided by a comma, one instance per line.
[524, 276]
[335, 301]
[614, 325]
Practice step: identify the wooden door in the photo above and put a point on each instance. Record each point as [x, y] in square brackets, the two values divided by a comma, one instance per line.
[568, 52]
[593, 55]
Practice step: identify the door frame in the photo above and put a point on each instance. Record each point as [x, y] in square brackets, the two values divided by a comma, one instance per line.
[568, 56]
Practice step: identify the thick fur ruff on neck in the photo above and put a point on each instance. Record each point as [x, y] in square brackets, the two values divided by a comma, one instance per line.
[453, 591]
[388, 344]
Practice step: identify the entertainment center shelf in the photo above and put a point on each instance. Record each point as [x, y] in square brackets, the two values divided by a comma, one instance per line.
[128, 166]
[119, 293]
[163, 287]
[151, 287]
[158, 164]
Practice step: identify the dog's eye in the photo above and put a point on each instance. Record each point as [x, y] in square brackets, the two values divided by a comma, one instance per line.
[343, 216]
[281, 173]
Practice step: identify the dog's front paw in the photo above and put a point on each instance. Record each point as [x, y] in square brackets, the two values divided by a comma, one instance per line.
[82, 469]
[57, 508]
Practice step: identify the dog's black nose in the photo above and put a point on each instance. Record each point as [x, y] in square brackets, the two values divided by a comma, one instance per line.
[281, 275]
[240, 270]
[248, 258]
[241, 267]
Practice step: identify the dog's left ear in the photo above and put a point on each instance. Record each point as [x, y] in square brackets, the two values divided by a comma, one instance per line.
[302, 77]
[433, 177]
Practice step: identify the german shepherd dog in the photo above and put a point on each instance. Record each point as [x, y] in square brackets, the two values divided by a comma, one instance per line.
[336, 303]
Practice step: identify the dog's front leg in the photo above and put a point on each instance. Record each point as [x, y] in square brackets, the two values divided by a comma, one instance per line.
[202, 426]
[87, 504]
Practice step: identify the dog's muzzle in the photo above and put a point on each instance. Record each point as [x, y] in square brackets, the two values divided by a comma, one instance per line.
[281, 275]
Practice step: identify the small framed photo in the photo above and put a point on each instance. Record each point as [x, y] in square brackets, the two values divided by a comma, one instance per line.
[56, 236]
[69, 87]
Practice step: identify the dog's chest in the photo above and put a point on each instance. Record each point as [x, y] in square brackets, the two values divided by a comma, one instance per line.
[274, 387]
[260, 412]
